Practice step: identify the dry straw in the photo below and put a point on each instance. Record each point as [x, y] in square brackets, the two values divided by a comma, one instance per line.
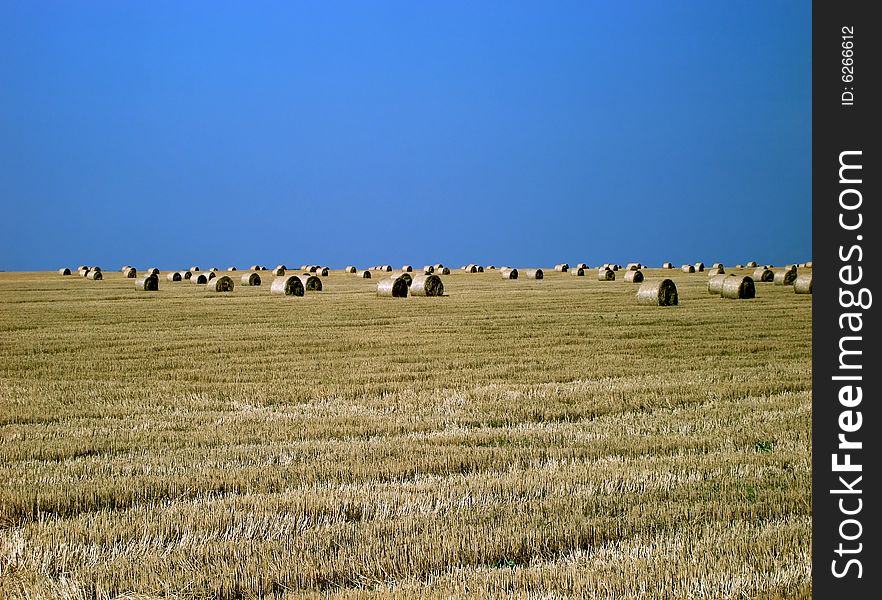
[471, 268]
[289, 286]
[508, 273]
[350, 269]
[254, 268]
[785, 276]
[83, 271]
[211, 275]
[699, 267]
[250, 279]
[311, 283]
[763, 275]
[426, 285]
[751, 264]
[581, 266]
[147, 283]
[407, 268]
[64, 271]
[688, 269]
[715, 284]
[533, 274]
[808, 265]
[738, 288]
[130, 273]
[634, 276]
[633, 267]
[194, 269]
[395, 287]
[186, 274]
[365, 274]
[715, 271]
[279, 271]
[667, 265]
[230, 269]
[81, 267]
[95, 275]
[717, 266]
[803, 284]
[442, 271]
[387, 268]
[658, 292]
[562, 268]
[606, 275]
[224, 283]
[578, 272]
[322, 271]
[174, 276]
[199, 278]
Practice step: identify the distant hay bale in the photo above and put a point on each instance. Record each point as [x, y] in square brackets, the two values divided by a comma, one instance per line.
[562, 268]
[152, 271]
[738, 288]
[254, 268]
[130, 273]
[279, 271]
[213, 270]
[350, 269]
[96, 268]
[577, 272]
[634, 277]
[224, 283]
[491, 268]
[715, 271]
[751, 264]
[808, 265]
[427, 285]
[174, 276]
[125, 268]
[785, 276]
[480, 269]
[322, 271]
[739, 266]
[250, 279]
[438, 266]
[288, 286]
[231, 269]
[147, 283]
[764, 275]
[407, 268]
[606, 275]
[194, 269]
[699, 267]
[428, 269]
[803, 284]
[211, 275]
[657, 292]
[470, 268]
[94, 275]
[83, 271]
[632, 267]
[442, 271]
[199, 278]
[581, 266]
[282, 267]
[508, 273]
[365, 274]
[387, 268]
[64, 271]
[186, 275]
[311, 283]
[81, 267]
[717, 266]
[395, 287]
[715, 284]
[533, 274]
[688, 269]
[667, 265]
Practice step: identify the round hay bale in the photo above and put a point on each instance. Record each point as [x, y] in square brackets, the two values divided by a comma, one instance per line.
[125, 268]
[304, 267]
[186, 275]
[508, 273]
[310, 268]
[282, 267]
[427, 285]
[211, 275]
[491, 268]
[715, 284]
[634, 276]
[395, 287]
[407, 268]
[387, 268]
[577, 272]
[562, 268]
[633, 267]
[350, 269]
[254, 268]
[365, 274]
[667, 265]
[322, 271]
[224, 283]
[606, 275]
[739, 266]
[480, 269]
[147, 283]
[470, 268]
[688, 269]
[250, 279]
[428, 269]
[533, 274]
[83, 271]
[288, 286]
[581, 266]
[751, 264]
[717, 266]
[229, 269]
[152, 271]
[279, 272]
[95, 269]
[311, 283]
[199, 278]
[64, 271]
[443, 271]
[763, 275]
[715, 271]
[803, 284]
[785, 276]
[194, 269]
[81, 267]
[94, 275]
[213, 270]
[657, 292]
[699, 267]
[404, 275]
[130, 273]
[174, 276]
[738, 288]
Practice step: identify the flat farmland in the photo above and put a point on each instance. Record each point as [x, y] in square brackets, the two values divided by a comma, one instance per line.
[514, 438]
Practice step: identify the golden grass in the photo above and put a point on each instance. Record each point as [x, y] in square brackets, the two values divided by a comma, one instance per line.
[532, 441]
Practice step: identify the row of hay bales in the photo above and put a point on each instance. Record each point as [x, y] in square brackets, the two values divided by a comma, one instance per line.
[403, 284]
[93, 273]
[292, 285]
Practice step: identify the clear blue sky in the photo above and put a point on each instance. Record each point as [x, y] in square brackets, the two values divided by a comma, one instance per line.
[522, 133]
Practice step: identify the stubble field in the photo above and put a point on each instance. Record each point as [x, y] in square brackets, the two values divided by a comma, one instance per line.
[541, 439]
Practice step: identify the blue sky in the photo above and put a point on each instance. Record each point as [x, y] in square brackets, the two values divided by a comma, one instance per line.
[522, 133]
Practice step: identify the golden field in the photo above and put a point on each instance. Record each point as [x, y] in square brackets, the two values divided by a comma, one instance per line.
[527, 439]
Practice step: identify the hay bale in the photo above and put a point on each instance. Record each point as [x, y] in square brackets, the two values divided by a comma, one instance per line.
[282, 267]
[717, 266]
[739, 266]
[715, 271]
[688, 269]
[186, 275]
[290, 285]
[581, 266]
[322, 271]
[426, 285]
[254, 268]
[174, 276]
[125, 268]
[83, 271]
[311, 283]
[470, 268]
[533, 274]
[152, 271]
[279, 271]
[404, 275]
[657, 292]
[491, 268]
[395, 287]
[194, 269]
[667, 265]
[785, 276]
[751, 264]
[224, 283]
[350, 269]
[577, 272]
[94, 275]
[230, 269]
[634, 276]
[606, 275]
[365, 274]
[633, 267]
[213, 270]
[199, 278]
[715, 284]
[699, 267]
[130, 273]
[803, 284]
[64, 271]
[808, 265]
[763, 275]
[211, 275]
[508, 273]
[480, 269]
[442, 271]
[407, 268]
[147, 283]
[562, 268]
[250, 279]
[738, 288]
